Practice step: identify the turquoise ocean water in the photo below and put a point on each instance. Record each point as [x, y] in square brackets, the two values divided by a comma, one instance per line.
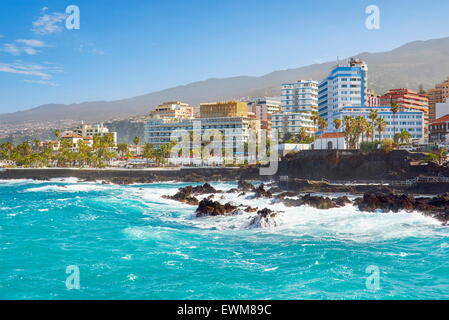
[128, 243]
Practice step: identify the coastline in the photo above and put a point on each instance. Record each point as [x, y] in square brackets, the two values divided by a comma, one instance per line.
[314, 171]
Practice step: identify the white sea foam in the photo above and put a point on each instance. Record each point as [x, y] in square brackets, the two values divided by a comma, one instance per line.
[18, 181]
[79, 187]
[346, 223]
[66, 180]
[148, 232]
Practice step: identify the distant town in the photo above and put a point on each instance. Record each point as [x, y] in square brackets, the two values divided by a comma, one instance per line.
[339, 112]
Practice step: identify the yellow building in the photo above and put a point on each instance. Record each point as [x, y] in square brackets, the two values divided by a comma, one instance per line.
[173, 110]
[223, 109]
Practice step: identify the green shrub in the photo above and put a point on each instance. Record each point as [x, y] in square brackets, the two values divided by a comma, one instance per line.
[387, 145]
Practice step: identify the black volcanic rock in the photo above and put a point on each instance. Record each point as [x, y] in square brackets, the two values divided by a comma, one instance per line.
[260, 192]
[315, 201]
[186, 194]
[264, 218]
[245, 186]
[437, 207]
[208, 207]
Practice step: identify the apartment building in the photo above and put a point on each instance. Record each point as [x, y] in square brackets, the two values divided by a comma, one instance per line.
[292, 123]
[439, 94]
[299, 103]
[410, 120]
[236, 130]
[263, 108]
[230, 118]
[299, 96]
[91, 130]
[406, 99]
[173, 110]
[346, 85]
[74, 141]
[223, 109]
[439, 130]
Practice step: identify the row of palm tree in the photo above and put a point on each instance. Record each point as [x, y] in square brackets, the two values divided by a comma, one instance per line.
[102, 151]
[359, 129]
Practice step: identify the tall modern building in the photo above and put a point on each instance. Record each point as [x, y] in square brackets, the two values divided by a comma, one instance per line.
[346, 86]
[299, 101]
[299, 96]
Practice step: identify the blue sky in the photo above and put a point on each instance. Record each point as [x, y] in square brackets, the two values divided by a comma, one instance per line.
[126, 48]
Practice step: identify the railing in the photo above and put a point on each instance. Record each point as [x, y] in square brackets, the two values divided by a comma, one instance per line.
[404, 183]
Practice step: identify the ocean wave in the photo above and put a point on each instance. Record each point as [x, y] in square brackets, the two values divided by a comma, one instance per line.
[67, 188]
[345, 223]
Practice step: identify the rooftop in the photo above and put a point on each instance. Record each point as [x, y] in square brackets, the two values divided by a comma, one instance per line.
[331, 135]
[441, 120]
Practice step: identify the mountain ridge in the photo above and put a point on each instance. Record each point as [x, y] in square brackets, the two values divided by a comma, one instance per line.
[420, 62]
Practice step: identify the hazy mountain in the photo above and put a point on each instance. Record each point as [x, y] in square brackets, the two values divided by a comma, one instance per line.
[419, 62]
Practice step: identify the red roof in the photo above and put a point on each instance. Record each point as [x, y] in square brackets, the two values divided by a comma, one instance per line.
[441, 120]
[331, 135]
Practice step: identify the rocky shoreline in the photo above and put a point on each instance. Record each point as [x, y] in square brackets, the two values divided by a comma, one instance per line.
[304, 172]
[436, 207]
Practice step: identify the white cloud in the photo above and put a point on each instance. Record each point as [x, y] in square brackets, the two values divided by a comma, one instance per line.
[11, 49]
[30, 51]
[31, 42]
[43, 82]
[22, 46]
[44, 72]
[48, 23]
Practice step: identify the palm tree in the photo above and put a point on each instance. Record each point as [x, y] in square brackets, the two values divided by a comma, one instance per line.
[337, 125]
[361, 124]
[136, 140]
[57, 134]
[381, 125]
[373, 115]
[349, 127]
[36, 143]
[370, 131]
[394, 109]
[148, 151]
[6, 148]
[405, 136]
[302, 135]
[441, 154]
[123, 149]
[322, 124]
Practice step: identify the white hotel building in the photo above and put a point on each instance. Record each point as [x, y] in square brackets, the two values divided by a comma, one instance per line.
[346, 85]
[411, 121]
[299, 99]
[235, 130]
